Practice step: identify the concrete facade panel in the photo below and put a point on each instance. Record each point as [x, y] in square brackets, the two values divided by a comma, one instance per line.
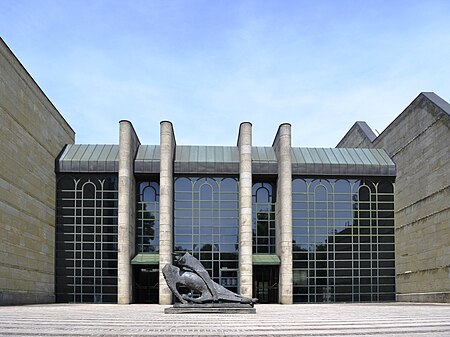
[418, 141]
[32, 134]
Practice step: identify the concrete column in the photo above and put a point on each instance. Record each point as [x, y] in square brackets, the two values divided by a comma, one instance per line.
[245, 210]
[128, 146]
[282, 146]
[167, 147]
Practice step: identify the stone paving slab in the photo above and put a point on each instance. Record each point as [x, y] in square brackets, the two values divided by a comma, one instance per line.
[394, 319]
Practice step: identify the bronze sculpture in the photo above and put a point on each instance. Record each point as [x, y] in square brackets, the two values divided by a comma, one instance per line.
[194, 276]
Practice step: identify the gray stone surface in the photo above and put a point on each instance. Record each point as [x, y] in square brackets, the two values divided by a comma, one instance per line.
[225, 309]
[32, 134]
[418, 141]
[396, 319]
[167, 148]
[128, 146]
[282, 147]
[245, 210]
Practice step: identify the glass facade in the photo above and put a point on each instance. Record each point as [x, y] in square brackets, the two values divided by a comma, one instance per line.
[263, 208]
[86, 239]
[343, 240]
[206, 224]
[343, 236]
[147, 218]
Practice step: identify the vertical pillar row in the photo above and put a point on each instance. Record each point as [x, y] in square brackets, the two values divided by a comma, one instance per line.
[282, 146]
[128, 146]
[245, 210]
[167, 146]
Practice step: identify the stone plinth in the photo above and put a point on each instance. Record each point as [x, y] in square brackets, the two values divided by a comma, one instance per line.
[210, 308]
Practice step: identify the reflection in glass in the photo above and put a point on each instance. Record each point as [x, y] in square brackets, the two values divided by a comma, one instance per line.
[86, 239]
[206, 222]
[343, 237]
[263, 218]
[147, 219]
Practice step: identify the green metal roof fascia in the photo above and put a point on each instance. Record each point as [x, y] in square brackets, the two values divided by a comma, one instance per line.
[209, 155]
[306, 155]
[69, 151]
[376, 153]
[105, 152]
[255, 154]
[213, 154]
[340, 156]
[88, 153]
[143, 258]
[201, 154]
[63, 164]
[347, 157]
[206, 154]
[217, 154]
[266, 260]
[89, 158]
[323, 157]
[96, 153]
[151, 153]
[296, 156]
[191, 154]
[93, 164]
[141, 152]
[76, 158]
[371, 157]
[235, 155]
[263, 154]
[81, 148]
[315, 156]
[359, 156]
[183, 154]
[386, 157]
[227, 154]
[113, 154]
[271, 154]
[330, 153]
[157, 152]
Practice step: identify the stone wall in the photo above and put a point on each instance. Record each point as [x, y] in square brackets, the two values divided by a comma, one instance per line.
[418, 141]
[32, 134]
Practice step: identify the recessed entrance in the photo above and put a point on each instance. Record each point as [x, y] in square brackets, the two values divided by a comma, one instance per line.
[265, 283]
[146, 284]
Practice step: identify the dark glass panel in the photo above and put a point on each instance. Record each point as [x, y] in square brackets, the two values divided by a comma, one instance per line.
[299, 185]
[228, 185]
[90, 213]
[210, 213]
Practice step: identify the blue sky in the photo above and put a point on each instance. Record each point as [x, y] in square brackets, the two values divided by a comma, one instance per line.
[209, 65]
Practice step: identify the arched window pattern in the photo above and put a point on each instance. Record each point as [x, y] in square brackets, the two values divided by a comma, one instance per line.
[147, 219]
[206, 224]
[343, 240]
[86, 239]
[263, 218]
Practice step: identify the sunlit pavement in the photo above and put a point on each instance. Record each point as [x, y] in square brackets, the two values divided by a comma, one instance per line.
[393, 319]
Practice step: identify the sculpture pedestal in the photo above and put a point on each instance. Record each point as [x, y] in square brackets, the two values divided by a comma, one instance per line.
[210, 308]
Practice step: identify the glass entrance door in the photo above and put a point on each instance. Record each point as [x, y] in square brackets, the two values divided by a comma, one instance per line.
[265, 283]
[146, 284]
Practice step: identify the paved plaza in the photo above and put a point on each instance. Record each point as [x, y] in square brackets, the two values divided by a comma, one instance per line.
[394, 319]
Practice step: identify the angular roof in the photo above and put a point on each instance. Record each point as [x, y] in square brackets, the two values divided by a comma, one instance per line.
[264, 160]
[192, 160]
[147, 159]
[88, 158]
[341, 161]
[206, 159]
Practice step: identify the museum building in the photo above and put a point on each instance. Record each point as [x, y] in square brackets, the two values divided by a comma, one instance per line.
[96, 223]
[283, 224]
